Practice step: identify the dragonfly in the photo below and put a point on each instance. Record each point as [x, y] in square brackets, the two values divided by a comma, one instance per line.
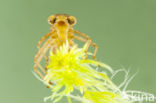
[61, 32]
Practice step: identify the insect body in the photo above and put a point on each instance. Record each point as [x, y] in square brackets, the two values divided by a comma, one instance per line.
[61, 32]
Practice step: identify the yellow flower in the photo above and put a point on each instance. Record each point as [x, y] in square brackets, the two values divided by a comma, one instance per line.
[68, 70]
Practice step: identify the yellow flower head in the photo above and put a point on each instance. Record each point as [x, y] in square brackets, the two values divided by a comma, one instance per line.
[69, 71]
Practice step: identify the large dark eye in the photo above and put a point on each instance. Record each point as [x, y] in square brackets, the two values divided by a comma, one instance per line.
[70, 21]
[52, 21]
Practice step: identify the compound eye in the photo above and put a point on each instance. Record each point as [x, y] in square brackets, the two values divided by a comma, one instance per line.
[71, 20]
[51, 20]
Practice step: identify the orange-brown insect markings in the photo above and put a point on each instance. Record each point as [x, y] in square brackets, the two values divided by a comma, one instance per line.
[60, 33]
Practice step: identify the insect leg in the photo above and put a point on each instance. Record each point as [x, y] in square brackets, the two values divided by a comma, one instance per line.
[43, 39]
[39, 56]
[86, 37]
[46, 43]
[81, 34]
[92, 44]
[95, 50]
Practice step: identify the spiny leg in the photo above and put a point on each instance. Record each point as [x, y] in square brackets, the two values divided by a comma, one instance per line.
[95, 50]
[81, 34]
[39, 73]
[43, 39]
[92, 44]
[39, 54]
[39, 57]
[47, 59]
[37, 64]
[53, 47]
[42, 51]
[86, 37]
[49, 43]
[39, 43]
[83, 40]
